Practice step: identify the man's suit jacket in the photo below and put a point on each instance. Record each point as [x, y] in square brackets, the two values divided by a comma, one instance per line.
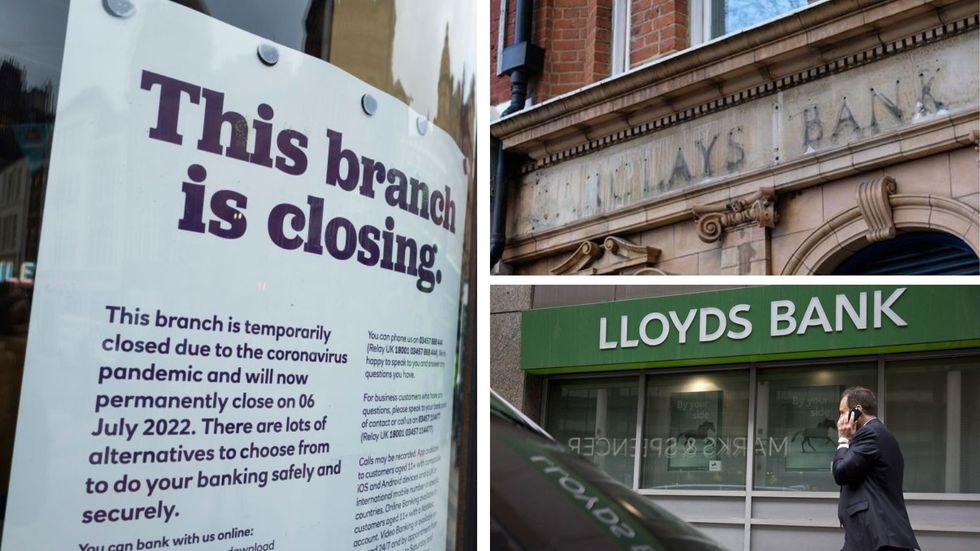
[871, 507]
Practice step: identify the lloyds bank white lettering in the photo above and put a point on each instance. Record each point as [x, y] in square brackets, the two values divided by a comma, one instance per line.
[868, 310]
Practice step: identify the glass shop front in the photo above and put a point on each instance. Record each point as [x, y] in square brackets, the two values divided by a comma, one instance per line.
[722, 406]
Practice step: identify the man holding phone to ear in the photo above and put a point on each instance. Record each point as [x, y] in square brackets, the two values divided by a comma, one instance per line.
[869, 468]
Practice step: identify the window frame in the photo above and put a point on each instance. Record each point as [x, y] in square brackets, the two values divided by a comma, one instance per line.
[619, 57]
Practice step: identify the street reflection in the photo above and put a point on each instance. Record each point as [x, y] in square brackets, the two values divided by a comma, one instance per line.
[26, 122]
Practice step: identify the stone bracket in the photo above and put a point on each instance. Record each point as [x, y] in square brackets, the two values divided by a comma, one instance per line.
[612, 257]
[758, 208]
[876, 209]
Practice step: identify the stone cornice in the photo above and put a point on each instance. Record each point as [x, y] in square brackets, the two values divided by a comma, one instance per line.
[949, 132]
[823, 39]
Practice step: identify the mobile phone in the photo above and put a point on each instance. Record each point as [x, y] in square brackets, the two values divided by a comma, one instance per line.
[854, 414]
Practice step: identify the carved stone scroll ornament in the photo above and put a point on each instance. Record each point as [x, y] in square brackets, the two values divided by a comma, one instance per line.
[615, 256]
[758, 208]
[586, 252]
[875, 207]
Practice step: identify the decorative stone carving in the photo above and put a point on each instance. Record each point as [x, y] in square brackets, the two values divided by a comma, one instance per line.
[873, 202]
[758, 208]
[614, 256]
[586, 252]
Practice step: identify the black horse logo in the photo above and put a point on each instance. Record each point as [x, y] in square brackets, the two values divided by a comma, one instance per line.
[819, 433]
[699, 433]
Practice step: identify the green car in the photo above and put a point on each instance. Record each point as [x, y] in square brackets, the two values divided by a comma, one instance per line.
[544, 497]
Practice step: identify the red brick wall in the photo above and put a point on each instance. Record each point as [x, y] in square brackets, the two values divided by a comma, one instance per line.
[657, 27]
[499, 86]
[577, 38]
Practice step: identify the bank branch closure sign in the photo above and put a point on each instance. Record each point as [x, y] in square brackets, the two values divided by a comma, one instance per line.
[244, 324]
[755, 324]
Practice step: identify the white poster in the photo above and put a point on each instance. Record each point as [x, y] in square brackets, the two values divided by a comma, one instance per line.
[244, 324]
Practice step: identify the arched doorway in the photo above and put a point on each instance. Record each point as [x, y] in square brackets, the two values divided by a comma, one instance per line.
[913, 253]
[933, 226]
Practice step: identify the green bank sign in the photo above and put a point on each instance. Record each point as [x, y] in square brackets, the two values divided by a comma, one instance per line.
[746, 325]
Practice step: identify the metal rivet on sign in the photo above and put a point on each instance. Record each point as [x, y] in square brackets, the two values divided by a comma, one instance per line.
[119, 8]
[369, 104]
[268, 54]
[422, 124]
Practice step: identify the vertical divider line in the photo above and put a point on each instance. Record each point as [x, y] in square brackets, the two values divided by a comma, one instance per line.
[637, 452]
[543, 418]
[750, 460]
[881, 389]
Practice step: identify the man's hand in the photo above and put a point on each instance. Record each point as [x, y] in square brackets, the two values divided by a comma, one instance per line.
[846, 427]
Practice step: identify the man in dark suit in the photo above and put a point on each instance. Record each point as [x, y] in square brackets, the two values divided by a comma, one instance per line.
[869, 468]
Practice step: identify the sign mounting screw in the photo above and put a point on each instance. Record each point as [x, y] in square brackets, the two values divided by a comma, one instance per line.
[119, 8]
[422, 125]
[268, 54]
[369, 104]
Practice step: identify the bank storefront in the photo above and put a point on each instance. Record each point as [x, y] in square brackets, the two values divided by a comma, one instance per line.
[722, 405]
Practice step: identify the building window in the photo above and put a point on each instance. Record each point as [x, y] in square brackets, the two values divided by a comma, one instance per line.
[596, 418]
[928, 410]
[620, 36]
[695, 431]
[796, 423]
[695, 425]
[914, 253]
[713, 18]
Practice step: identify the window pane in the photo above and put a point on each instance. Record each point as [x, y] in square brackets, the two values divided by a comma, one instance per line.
[596, 418]
[927, 409]
[796, 424]
[739, 14]
[695, 431]
[32, 40]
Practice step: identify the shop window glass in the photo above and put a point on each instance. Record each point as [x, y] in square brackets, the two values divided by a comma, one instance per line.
[796, 424]
[596, 418]
[928, 409]
[695, 431]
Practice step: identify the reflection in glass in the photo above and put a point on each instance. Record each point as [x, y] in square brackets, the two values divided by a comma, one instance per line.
[694, 432]
[796, 424]
[596, 418]
[31, 44]
[415, 50]
[734, 15]
[928, 410]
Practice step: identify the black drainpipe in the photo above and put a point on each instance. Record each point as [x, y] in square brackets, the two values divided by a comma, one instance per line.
[520, 61]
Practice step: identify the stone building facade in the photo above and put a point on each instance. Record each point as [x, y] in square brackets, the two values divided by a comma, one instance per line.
[828, 140]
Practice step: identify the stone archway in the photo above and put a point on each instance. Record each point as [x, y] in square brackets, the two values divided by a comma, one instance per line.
[877, 217]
